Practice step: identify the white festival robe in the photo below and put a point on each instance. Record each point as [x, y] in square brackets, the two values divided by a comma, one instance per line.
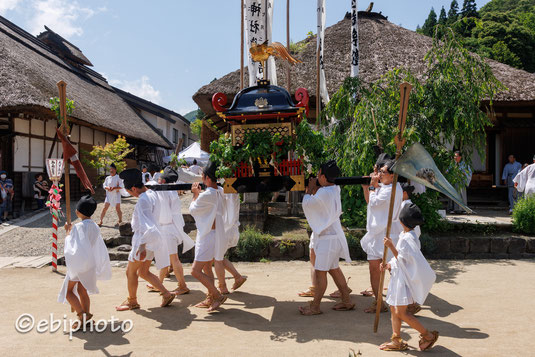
[411, 275]
[147, 229]
[377, 219]
[526, 180]
[231, 218]
[86, 258]
[322, 211]
[417, 228]
[208, 208]
[171, 220]
[114, 197]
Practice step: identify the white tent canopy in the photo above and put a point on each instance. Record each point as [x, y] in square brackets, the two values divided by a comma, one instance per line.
[190, 153]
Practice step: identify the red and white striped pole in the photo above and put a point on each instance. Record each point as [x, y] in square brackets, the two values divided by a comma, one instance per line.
[55, 221]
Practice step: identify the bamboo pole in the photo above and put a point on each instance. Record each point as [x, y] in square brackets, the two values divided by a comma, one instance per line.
[62, 87]
[288, 83]
[405, 90]
[318, 95]
[242, 43]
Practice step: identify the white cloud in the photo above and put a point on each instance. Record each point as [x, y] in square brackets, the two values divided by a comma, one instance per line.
[62, 16]
[140, 87]
[6, 5]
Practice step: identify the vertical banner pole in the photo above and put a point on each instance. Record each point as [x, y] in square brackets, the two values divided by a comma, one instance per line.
[288, 45]
[55, 213]
[242, 4]
[62, 86]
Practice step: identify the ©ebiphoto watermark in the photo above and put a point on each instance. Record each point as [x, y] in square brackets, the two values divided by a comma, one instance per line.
[26, 323]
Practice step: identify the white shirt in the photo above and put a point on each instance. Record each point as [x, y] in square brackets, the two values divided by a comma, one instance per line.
[322, 211]
[170, 215]
[526, 180]
[196, 169]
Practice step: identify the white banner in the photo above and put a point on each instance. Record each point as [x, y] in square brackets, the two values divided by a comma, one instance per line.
[319, 48]
[258, 24]
[354, 39]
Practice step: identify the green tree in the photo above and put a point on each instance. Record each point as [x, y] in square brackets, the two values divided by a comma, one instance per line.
[442, 18]
[104, 156]
[196, 127]
[501, 53]
[469, 9]
[444, 108]
[430, 23]
[453, 12]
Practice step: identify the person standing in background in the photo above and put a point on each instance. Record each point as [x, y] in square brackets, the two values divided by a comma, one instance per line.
[113, 186]
[145, 174]
[196, 169]
[511, 169]
[461, 186]
[6, 194]
[40, 187]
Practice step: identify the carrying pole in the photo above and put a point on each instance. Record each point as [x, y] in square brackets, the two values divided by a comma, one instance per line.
[62, 86]
[405, 89]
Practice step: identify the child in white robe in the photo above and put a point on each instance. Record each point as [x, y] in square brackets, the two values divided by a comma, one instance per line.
[147, 242]
[525, 180]
[208, 210]
[87, 261]
[172, 229]
[114, 189]
[232, 236]
[378, 196]
[410, 282]
[322, 207]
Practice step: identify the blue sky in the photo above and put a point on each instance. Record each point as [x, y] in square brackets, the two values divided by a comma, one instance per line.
[164, 50]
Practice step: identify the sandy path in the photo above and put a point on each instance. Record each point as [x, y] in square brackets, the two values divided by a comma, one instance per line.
[481, 308]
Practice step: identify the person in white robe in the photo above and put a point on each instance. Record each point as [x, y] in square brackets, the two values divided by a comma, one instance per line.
[172, 229]
[114, 189]
[195, 169]
[145, 174]
[147, 242]
[322, 207]
[378, 195]
[86, 258]
[231, 221]
[208, 210]
[525, 180]
[410, 282]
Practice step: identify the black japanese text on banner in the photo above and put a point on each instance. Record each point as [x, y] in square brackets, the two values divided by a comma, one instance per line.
[354, 39]
[258, 24]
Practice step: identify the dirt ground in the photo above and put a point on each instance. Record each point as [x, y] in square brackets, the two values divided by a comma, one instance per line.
[479, 308]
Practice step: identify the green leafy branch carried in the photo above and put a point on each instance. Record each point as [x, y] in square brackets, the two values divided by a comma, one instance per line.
[54, 103]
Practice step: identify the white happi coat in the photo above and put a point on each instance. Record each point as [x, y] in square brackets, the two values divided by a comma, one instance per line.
[411, 275]
[114, 197]
[377, 219]
[171, 220]
[417, 228]
[208, 208]
[231, 218]
[526, 180]
[322, 212]
[147, 229]
[86, 258]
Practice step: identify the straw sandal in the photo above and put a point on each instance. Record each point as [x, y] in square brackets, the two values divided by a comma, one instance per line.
[429, 342]
[239, 283]
[206, 303]
[128, 304]
[181, 290]
[367, 292]
[309, 311]
[396, 344]
[344, 306]
[152, 289]
[307, 293]
[337, 294]
[414, 308]
[373, 308]
[167, 300]
[216, 304]
[223, 289]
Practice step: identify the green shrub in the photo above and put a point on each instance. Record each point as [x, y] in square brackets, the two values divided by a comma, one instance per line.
[428, 243]
[353, 242]
[524, 215]
[252, 246]
[429, 203]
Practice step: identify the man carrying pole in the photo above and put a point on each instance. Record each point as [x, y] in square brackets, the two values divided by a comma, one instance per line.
[400, 141]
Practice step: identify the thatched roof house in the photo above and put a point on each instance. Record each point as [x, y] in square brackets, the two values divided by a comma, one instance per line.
[384, 46]
[30, 69]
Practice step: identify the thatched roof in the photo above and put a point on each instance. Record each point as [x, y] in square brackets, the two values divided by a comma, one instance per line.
[383, 46]
[29, 71]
